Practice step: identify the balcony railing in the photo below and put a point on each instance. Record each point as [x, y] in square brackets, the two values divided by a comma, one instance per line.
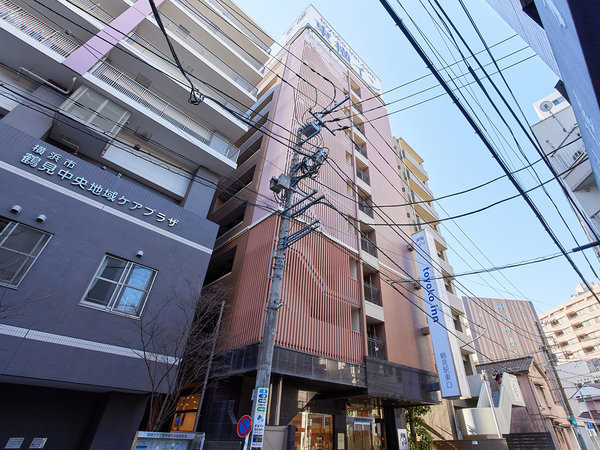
[205, 20]
[363, 175]
[240, 25]
[94, 9]
[210, 56]
[143, 46]
[144, 97]
[364, 207]
[368, 246]
[36, 28]
[360, 149]
[372, 294]
[376, 347]
[360, 127]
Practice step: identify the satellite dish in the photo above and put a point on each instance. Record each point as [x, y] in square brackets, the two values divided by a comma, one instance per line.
[546, 106]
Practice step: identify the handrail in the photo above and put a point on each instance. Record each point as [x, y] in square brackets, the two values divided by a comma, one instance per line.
[95, 10]
[143, 96]
[36, 28]
[206, 53]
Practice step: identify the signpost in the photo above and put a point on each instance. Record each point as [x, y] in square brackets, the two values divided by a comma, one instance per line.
[244, 426]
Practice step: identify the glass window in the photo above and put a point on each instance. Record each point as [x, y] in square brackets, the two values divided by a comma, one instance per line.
[500, 307]
[20, 245]
[120, 285]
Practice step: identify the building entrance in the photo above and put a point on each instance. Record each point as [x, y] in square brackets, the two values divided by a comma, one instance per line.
[313, 431]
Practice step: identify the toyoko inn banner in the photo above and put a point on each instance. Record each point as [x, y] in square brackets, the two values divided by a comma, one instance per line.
[448, 359]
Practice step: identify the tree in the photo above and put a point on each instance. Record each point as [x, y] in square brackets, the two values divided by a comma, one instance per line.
[419, 437]
[198, 312]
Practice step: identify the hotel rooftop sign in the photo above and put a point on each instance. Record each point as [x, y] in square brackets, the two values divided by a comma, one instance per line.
[311, 17]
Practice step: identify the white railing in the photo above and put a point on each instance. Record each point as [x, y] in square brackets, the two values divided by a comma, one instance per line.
[142, 46]
[144, 97]
[208, 55]
[215, 28]
[237, 23]
[36, 28]
[94, 9]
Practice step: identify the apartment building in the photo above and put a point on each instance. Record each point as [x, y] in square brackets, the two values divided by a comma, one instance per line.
[506, 329]
[573, 327]
[107, 172]
[559, 135]
[564, 34]
[422, 215]
[581, 380]
[350, 349]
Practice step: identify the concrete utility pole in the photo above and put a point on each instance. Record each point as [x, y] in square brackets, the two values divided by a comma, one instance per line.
[299, 169]
[559, 385]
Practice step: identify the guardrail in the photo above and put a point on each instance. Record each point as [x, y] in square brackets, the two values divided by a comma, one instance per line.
[149, 100]
[36, 28]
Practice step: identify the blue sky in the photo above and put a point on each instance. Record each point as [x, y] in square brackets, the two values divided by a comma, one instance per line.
[455, 158]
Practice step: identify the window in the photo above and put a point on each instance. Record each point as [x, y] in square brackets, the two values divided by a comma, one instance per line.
[500, 307]
[20, 245]
[512, 341]
[120, 285]
[353, 268]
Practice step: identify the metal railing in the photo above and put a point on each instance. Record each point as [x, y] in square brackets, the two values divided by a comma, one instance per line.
[36, 28]
[360, 127]
[376, 347]
[142, 46]
[241, 26]
[372, 294]
[210, 56]
[94, 9]
[360, 149]
[152, 102]
[233, 44]
[363, 175]
[364, 207]
[368, 246]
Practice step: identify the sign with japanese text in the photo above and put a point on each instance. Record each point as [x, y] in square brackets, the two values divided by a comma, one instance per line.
[56, 165]
[312, 18]
[260, 418]
[448, 359]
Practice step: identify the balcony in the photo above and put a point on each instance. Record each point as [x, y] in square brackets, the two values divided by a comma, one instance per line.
[455, 302]
[149, 52]
[197, 16]
[420, 188]
[376, 347]
[446, 267]
[94, 10]
[415, 166]
[360, 149]
[372, 294]
[208, 55]
[162, 111]
[364, 207]
[25, 22]
[424, 210]
[362, 175]
[367, 246]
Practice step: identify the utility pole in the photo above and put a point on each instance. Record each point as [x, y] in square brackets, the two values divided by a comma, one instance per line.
[559, 385]
[308, 166]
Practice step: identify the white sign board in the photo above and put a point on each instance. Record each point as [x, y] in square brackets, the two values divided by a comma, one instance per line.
[260, 418]
[448, 359]
[311, 17]
[402, 439]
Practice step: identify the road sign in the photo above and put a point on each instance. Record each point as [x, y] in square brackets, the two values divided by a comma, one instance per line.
[244, 426]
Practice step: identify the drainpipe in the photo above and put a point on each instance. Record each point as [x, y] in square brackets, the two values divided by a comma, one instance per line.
[47, 83]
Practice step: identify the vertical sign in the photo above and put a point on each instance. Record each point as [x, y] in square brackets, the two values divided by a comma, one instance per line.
[448, 359]
[260, 418]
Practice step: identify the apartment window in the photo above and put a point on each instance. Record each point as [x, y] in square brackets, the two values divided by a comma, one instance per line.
[120, 285]
[355, 319]
[353, 268]
[512, 341]
[20, 245]
[500, 307]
